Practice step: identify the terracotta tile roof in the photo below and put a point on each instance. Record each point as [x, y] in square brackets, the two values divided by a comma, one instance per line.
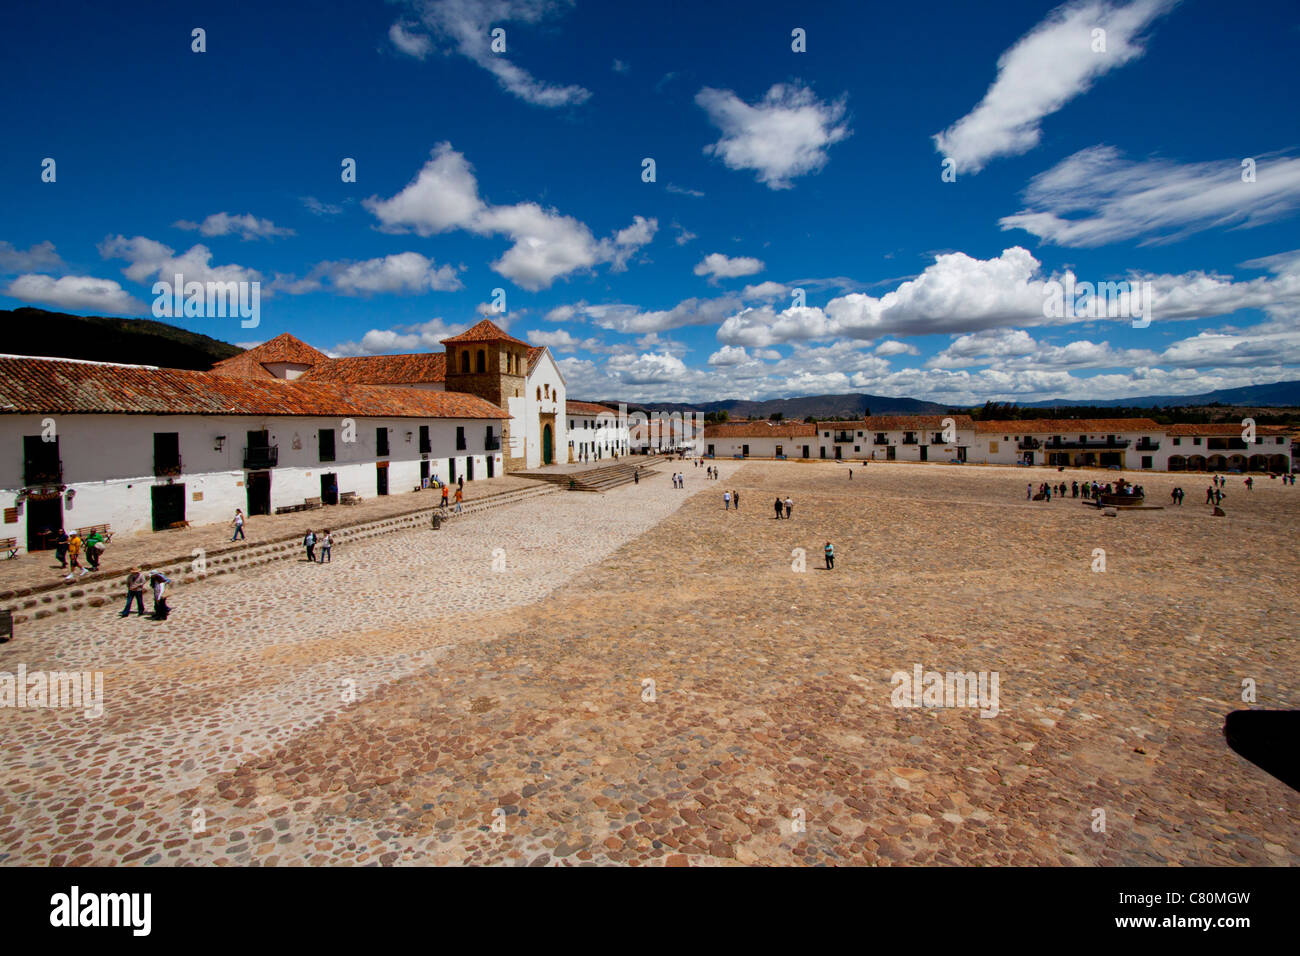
[410, 369]
[761, 430]
[283, 348]
[534, 355]
[898, 423]
[587, 408]
[42, 386]
[484, 331]
[1225, 429]
[1070, 426]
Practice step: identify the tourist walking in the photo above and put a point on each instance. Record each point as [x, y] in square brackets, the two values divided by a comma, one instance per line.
[445, 489]
[1209, 495]
[460, 498]
[1029, 491]
[735, 499]
[61, 548]
[850, 474]
[160, 608]
[636, 476]
[460, 483]
[74, 557]
[135, 583]
[726, 501]
[326, 546]
[1074, 489]
[830, 556]
[239, 525]
[94, 545]
[777, 505]
[789, 506]
[309, 542]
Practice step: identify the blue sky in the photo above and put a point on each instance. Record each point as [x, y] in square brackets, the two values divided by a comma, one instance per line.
[775, 171]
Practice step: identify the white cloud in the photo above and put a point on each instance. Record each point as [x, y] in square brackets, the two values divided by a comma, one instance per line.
[466, 26]
[547, 245]
[41, 257]
[729, 355]
[318, 208]
[648, 368]
[683, 191]
[425, 337]
[719, 266]
[1049, 66]
[764, 290]
[620, 67]
[150, 258]
[684, 235]
[895, 347]
[223, 224]
[1096, 197]
[403, 272]
[785, 135]
[84, 293]
[412, 44]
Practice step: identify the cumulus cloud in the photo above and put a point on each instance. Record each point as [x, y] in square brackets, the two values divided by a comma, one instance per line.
[85, 293]
[149, 258]
[547, 245]
[895, 347]
[1049, 66]
[1096, 197]
[784, 135]
[223, 224]
[465, 27]
[764, 290]
[318, 208]
[41, 257]
[729, 355]
[424, 337]
[718, 266]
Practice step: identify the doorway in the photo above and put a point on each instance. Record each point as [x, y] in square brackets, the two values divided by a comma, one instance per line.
[469, 468]
[381, 478]
[168, 505]
[329, 489]
[548, 445]
[258, 485]
[424, 473]
[491, 465]
[891, 452]
[43, 514]
[925, 453]
[451, 471]
[805, 451]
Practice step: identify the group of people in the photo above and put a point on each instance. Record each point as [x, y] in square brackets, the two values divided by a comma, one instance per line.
[460, 494]
[730, 498]
[1077, 489]
[136, 582]
[68, 551]
[679, 479]
[326, 542]
[710, 470]
[787, 506]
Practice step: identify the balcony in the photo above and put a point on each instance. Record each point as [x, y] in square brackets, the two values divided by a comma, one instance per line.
[167, 467]
[1029, 444]
[880, 440]
[49, 472]
[261, 456]
[1057, 444]
[937, 438]
[843, 438]
[1146, 444]
[492, 443]
[910, 439]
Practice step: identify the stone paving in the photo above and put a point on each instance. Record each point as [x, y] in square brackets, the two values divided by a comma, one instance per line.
[409, 704]
[33, 569]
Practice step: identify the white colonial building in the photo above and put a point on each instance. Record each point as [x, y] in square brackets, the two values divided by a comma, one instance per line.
[140, 448]
[760, 439]
[595, 432]
[898, 438]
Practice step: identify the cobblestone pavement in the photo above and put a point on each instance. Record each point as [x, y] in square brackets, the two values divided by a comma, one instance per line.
[149, 547]
[505, 717]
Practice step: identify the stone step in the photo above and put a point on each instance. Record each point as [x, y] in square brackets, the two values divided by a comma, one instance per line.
[97, 590]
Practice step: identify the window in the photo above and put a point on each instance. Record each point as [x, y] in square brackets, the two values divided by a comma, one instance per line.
[539, 394]
[425, 445]
[480, 364]
[1178, 441]
[381, 441]
[325, 444]
[1196, 441]
[570, 422]
[548, 390]
[464, 361]
[460, 437]
[166, 453]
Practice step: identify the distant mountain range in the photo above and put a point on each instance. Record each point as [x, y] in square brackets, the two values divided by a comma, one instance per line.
[1279, 394]
[146, 342]
[100, 339]
[819, 406]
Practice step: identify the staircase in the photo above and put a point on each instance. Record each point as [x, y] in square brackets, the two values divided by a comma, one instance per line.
[96, 590]
[600, 479]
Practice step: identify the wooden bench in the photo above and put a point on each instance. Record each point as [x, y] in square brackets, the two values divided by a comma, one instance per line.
[103, 529]
[10, 545]
[310, 504]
